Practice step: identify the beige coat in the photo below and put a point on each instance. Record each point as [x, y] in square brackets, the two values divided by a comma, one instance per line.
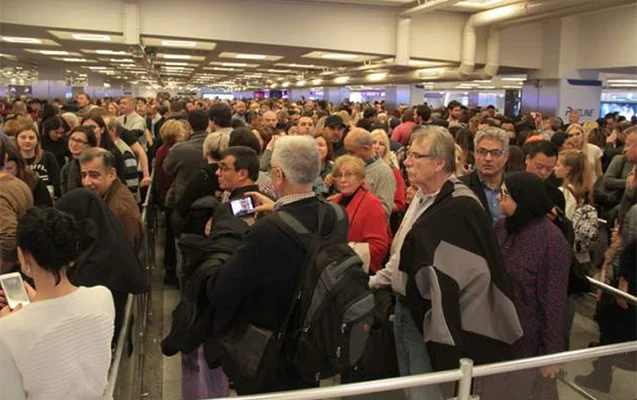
[15, 200]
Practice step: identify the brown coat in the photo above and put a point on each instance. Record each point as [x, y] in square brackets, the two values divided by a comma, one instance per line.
[122, 204]
[15, 200]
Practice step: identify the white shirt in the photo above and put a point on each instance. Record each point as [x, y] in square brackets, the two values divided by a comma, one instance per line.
[389, 275]
[58, 348]
[593, 154]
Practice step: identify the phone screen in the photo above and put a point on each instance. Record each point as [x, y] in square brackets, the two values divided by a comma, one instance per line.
[14, 290]
[241, 207]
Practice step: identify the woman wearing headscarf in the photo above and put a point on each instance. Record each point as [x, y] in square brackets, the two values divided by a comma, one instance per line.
[537, 260]
[106, 257]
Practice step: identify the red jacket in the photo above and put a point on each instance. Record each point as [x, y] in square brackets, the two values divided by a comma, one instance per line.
[401, 191]
[368, 224]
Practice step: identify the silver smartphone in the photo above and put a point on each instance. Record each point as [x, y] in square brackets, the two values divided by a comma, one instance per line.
[14, 290]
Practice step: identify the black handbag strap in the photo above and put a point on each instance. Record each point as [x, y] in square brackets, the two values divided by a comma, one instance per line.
[311, 252]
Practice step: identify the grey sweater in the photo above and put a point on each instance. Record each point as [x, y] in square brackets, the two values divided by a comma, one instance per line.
[617, 172]
[381, 182]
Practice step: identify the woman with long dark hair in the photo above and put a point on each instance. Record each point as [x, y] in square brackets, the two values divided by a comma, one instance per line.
[81, 138]
[105, 141]
[53, 135]
[16, 166]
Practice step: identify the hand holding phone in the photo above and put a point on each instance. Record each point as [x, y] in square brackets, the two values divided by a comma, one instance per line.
[14, 290]
[242, 207]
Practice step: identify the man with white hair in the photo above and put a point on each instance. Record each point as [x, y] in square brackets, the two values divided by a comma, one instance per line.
[257, 284]
[491, 155]
[446, 269]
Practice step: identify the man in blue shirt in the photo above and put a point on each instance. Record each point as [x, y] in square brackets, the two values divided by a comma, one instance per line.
[491, 155]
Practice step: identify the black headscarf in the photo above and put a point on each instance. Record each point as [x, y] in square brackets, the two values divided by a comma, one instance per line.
[106, 258]
[529, 192]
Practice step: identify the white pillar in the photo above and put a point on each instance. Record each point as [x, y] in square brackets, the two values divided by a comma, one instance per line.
[403, 41]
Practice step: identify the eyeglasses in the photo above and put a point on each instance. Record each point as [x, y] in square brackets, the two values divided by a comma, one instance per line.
[78, 141]
[226, 168]
[344, 175]
[417, 156]
[496, 153]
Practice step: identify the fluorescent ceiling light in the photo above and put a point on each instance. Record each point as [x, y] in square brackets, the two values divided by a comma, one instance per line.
[174, 68]
[511, 87]
[477, 3]
[341, 79]
[622, 81]
[624, 85]
[514, 79]
[486, 87]
[317, 81]
[70, 59]
[225, 64]
[285, 84]
[54, 52]
[176, 63]
[483, 81]
[111, 52]
[96, 68]
[179, 43]
[175, 56]
[301, 83]
[91, 37]
[122, 60]
[339, 56]
[251, 56]
[279, 71]
[15, 39]
[379, 76]
[294, 65]
[225, 69]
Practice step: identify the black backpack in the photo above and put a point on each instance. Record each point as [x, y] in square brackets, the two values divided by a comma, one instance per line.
[335, 306]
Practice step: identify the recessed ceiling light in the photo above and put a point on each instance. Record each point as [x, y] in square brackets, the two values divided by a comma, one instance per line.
[96, 68]
[174, 68]
[179, 43]
[225, 69]
[622, 81]
[122, 60]
[482, 81]
[15, 39]
[379, 76]
[251, 56]
[623, 85]
[514, 79]
[280, 71]
[91, 37]
[54, 52]
[339, 56]
[511, 87]
[70, 59]
[317, 81]
[234, 64]
[341, 79]
[111, 52]
[176, 63]
[176, 56]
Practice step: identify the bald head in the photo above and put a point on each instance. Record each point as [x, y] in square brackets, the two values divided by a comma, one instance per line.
[270, 119]
[240, 107]
[359, 142]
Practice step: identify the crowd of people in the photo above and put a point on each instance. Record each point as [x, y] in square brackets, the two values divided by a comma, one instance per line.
[478, 226]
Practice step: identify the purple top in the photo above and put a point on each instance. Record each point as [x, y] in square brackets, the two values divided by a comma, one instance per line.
[537, 261]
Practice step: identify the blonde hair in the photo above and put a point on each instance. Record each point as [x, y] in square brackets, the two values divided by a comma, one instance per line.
[589, 126]
[389, 157]
[171, 130]
[357, 163]
[579, 175]
[215, 144]
[459, 159]
[579, 127]
[345, 116]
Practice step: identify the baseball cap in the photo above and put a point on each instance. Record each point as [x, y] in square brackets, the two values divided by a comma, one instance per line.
[334, 120]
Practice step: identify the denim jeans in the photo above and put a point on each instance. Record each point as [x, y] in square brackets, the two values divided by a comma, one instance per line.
[413, 358]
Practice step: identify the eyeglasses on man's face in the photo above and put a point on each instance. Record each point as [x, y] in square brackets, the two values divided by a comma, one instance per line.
[495, 153]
